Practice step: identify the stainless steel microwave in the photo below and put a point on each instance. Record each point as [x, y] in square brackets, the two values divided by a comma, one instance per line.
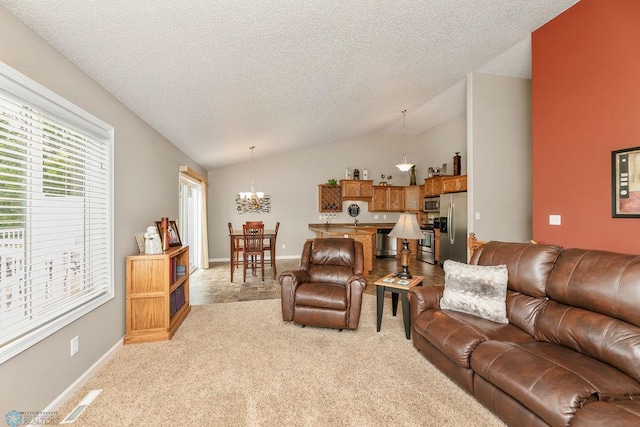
[431, 204]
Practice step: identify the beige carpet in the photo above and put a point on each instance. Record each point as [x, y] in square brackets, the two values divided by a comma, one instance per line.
[239, 364]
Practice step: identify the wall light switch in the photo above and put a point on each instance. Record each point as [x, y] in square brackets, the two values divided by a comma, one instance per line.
[75, 345]
[477, 216]
[555, 220]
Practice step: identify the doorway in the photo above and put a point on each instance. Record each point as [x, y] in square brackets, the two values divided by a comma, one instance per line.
[191, 211]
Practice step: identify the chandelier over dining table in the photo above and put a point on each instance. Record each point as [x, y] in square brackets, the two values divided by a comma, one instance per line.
[252, 201]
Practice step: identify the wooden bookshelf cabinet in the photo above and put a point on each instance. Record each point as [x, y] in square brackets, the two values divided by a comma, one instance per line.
[157, 298]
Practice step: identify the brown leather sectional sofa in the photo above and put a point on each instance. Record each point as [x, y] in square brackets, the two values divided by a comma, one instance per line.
[570, 354]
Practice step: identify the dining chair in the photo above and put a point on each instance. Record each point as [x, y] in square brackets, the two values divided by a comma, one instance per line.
[237, 248]
[270, 246]
[253, 249]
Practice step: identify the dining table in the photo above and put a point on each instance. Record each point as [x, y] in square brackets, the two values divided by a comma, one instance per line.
[236, 237]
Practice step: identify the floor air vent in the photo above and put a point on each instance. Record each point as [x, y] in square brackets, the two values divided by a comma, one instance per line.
[84, 403]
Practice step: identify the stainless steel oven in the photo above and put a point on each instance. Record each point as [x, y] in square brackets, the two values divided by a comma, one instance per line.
[427, 247]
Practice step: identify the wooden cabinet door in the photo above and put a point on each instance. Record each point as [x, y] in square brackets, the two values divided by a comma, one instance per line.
[433, 186]
[412, 199]
[355, 189]
[379, 199]
[462, 179]
[396, 199]
[350, 188]
[454, 184]
[429, 187]
[450, 185]
[366, 189]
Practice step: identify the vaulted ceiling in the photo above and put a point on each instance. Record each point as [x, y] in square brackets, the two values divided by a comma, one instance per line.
[215, 77]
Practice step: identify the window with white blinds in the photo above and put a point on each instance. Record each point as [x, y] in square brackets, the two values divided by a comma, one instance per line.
[56, 203]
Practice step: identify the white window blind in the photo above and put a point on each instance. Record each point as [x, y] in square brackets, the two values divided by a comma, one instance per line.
[56, 256]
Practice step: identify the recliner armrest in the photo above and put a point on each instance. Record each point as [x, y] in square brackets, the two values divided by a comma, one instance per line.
[289, 281]
[357, 280]
[294, 277]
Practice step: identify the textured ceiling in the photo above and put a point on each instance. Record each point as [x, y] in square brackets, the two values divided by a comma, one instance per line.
[216, 77]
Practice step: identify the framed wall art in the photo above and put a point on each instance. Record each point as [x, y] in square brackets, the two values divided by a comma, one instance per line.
[625, 183]
[174, 236]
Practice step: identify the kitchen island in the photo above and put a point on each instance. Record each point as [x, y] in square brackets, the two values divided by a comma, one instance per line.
[364, 233]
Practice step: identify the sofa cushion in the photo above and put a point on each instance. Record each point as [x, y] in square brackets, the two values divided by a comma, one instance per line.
[477, 290]
[529, 265]
[607, 339]
[599, 281]
[618, 413]
[550, 380]
[321, 295]
[457, 334]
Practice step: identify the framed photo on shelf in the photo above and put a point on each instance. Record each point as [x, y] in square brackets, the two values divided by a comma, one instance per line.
[174, 235]
[140, 241]
[625, 183]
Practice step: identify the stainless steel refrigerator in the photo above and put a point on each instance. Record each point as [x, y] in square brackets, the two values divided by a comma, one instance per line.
[453, 227]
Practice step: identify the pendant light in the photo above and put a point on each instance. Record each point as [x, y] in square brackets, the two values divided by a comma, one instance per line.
[404, 166]
[253, 196]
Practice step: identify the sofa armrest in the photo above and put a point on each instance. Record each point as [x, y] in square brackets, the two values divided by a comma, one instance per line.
[289, 281]
[422, 298]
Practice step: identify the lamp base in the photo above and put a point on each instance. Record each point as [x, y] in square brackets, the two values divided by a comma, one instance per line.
[405, 253]
[404, 274]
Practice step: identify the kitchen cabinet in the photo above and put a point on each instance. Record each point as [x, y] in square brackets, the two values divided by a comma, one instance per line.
[433, 186]
[329, 198]
[387, 198]
[413, 198]
[454, 184]
[356, 189]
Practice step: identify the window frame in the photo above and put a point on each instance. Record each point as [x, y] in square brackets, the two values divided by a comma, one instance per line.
[18, 86]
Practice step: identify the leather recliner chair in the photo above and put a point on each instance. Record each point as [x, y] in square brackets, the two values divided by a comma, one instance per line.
[327, 289]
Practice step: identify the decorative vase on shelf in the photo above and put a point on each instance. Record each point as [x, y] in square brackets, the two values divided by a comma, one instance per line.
[412, 175]
[456, 163]
[164, 227]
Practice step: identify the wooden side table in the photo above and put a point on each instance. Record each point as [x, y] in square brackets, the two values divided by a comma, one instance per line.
[397, 287]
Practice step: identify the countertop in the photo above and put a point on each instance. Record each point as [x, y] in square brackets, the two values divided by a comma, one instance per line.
[350, 228]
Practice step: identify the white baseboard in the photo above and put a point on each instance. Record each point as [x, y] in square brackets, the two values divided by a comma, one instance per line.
[65, 395]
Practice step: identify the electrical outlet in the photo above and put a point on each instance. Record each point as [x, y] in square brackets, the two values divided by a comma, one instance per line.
[375, 217]
[75, 346]
[555, 220]
[384, 217]
[284, 246]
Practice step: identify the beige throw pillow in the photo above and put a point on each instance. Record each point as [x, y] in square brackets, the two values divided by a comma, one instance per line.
[476, 289]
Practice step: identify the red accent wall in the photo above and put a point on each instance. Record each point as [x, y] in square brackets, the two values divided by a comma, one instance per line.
[586, 103]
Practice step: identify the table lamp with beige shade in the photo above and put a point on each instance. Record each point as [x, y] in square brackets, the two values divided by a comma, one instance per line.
[406, 228]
